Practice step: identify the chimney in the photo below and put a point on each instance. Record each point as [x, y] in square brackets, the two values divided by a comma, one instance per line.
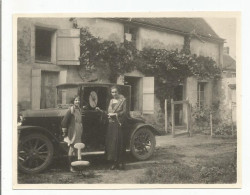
[226, 50]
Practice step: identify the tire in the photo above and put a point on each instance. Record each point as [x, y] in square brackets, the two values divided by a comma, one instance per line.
[35, 153]
[142, 144]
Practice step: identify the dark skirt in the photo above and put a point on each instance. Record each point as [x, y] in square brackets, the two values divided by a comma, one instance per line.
[114, 141]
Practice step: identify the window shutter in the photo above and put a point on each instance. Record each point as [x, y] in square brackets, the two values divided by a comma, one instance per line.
[36, 89]
[148, 95]
[68, 46]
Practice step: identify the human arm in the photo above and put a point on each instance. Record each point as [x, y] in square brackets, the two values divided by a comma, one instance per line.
[65, 122]
[110, 110]
[122, 108]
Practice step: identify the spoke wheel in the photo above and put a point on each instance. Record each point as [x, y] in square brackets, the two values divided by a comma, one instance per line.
[35, 153]
[143, 144]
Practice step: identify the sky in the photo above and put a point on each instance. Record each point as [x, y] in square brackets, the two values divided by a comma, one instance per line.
[226, 29]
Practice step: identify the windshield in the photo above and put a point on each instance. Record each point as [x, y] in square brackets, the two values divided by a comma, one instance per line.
[66, 95]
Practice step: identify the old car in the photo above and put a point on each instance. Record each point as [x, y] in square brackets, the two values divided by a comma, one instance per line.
[40, 133]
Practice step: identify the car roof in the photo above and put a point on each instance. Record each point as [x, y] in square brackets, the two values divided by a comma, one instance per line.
[89, 84]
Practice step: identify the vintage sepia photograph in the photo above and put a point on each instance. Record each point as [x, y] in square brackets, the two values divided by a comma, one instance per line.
[139, 99]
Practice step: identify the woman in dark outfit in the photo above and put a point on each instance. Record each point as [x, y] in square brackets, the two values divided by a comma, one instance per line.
[72, 127]
[114, 137]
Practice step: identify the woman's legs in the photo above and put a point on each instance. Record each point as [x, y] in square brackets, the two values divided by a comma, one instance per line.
[71, 156]
[115, 146]
[121, 150]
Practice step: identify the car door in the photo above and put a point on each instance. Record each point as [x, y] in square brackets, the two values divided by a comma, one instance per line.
[94, 122]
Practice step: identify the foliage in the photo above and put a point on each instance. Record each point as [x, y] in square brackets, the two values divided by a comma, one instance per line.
[221, 126]
[119, 57]
[205, 68]
[201, 117]
[169, 68]
[224, 129]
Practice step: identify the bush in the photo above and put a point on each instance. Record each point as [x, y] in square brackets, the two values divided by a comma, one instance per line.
[201, 118]
[221, 126]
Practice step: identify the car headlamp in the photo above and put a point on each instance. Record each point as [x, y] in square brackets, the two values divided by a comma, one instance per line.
[20, 121]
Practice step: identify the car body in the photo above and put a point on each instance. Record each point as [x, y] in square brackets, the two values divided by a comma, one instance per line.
[40, 132]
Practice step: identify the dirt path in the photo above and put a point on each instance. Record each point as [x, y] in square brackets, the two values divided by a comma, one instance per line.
[171, 155]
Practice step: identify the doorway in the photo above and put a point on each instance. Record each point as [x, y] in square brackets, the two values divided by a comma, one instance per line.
[178, 96]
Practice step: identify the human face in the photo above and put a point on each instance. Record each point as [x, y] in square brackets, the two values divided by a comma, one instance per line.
[77, 102]
[114, 93]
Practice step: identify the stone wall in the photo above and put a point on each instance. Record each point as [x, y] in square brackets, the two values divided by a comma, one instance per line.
[104, 29]
[107, 30]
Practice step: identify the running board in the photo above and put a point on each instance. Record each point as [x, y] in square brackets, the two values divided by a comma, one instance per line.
[96, 153]
[92, 153]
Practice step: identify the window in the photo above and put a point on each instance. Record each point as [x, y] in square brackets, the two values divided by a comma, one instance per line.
[130, 34]
[43, 45]
[61, 46]
[233, 74]
[65, 95]
[95, 96]
[201, 94]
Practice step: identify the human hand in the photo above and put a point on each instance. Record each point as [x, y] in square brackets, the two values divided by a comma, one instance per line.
[97, 108]
[64, 132]
[112, 114]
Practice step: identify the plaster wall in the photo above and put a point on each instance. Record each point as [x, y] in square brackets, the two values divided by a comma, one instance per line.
[208, 49]
[160, 40]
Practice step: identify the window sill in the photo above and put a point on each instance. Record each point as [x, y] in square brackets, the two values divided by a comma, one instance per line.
[42, 62]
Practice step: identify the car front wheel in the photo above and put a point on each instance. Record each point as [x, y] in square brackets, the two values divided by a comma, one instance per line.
[35, 153]
[143, 144]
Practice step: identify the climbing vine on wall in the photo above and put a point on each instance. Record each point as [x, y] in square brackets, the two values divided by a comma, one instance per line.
[168, 67]
[95, 51]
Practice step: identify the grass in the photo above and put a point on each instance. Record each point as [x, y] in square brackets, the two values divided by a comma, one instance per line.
[162, 174]
[180, 173]
[209, 169]
[214, 145]
[57, 178]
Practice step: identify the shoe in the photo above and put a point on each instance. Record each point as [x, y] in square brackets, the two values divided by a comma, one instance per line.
[113, 167]
[121, 166]
[72, 170]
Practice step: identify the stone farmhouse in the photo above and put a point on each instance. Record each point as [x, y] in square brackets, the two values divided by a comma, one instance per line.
[48, 51]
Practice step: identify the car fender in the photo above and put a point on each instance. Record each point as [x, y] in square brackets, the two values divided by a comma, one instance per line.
[36, 129]
[138, 126]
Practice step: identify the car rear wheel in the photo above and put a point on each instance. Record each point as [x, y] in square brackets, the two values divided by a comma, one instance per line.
[35, 153]
[143, 144]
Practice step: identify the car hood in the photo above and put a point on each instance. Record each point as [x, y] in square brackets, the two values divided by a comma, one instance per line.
[51, 112]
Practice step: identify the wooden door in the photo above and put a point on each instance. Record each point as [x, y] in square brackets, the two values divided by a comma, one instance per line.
[49, 80]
